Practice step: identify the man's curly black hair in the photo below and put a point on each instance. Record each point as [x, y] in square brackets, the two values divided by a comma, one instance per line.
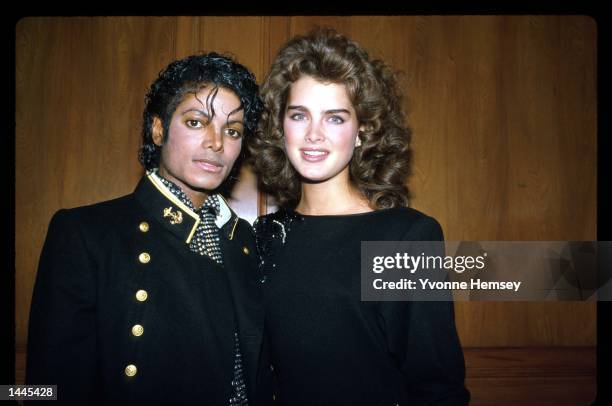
[189, 75]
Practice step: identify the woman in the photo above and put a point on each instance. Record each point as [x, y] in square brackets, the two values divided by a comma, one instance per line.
[333, 150]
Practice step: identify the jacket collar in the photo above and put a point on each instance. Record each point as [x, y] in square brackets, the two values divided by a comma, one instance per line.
[174, 215]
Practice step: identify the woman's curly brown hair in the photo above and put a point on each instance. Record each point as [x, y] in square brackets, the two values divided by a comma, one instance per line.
[380, 167]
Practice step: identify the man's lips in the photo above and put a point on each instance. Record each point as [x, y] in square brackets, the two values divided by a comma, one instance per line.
[314, 155]
[209, 165]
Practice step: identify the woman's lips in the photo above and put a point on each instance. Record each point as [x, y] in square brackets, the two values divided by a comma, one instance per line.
[209, 166]
[314, 155]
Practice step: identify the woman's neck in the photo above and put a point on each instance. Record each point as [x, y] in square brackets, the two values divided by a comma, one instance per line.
[330, 198]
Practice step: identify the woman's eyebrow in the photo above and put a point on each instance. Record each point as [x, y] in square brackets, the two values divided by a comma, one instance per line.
[336, 111]
[296, 107]
[331, 111]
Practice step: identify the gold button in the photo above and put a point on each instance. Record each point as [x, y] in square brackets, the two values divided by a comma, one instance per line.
[144, 257]
[131, 370]
[137, 330]
[141, 295]
[144, 226]
[245, 250]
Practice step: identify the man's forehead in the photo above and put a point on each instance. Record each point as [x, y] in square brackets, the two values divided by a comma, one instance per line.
[224, 101]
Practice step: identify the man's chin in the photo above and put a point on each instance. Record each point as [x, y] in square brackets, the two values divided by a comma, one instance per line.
[209, 185]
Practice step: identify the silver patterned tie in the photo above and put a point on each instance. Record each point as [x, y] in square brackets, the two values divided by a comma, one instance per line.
[206, 241]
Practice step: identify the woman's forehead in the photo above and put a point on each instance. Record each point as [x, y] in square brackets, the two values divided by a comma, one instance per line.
[308, 90]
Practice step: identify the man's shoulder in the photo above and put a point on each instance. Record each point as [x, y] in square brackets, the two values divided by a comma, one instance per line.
[243, 229]
[96, 213]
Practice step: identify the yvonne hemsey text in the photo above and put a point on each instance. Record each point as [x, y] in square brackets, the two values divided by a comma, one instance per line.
[426, 284]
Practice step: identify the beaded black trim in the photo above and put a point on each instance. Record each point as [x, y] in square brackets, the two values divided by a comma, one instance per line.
[239, 392]
[270, 233]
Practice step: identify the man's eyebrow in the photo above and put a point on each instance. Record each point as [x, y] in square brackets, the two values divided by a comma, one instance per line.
[202, 112]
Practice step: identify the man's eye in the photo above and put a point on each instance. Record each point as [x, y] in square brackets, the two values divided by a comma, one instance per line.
[194, 123]
[233, 133]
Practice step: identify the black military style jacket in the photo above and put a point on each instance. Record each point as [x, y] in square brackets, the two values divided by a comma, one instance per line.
[124, 312]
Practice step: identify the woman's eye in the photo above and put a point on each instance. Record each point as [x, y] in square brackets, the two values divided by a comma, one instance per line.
[233, 133]
[336, 119]
[194, 123]
[298, 117]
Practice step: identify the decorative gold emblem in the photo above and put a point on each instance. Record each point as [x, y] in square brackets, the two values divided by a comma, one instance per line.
[175, 217]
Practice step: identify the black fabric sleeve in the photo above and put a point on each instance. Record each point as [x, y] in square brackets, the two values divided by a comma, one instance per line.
[422, 339]
[62, 326]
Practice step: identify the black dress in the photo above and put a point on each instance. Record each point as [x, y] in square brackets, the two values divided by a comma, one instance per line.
[331, 348]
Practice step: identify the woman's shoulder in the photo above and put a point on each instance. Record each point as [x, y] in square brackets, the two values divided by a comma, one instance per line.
[280, 217]
[270, 216]
[274, 226]
[409, 224]
[398, 223]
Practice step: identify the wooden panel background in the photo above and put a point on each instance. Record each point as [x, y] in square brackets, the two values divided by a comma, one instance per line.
[503, 110]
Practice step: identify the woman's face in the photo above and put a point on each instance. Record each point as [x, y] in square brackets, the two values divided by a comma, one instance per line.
[320, 127]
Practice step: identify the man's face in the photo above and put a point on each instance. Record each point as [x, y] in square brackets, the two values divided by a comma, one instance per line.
[200, 149]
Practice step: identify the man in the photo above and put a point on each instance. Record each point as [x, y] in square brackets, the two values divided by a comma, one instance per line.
[153, 297]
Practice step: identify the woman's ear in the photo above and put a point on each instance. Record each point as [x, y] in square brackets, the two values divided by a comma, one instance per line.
[358, 140]
[157, 131]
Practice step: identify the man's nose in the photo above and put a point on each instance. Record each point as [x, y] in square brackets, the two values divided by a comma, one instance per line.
[213, 138]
